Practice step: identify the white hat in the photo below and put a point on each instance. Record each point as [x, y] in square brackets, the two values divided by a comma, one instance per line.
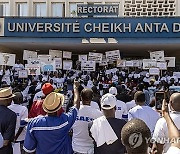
[113, 90]
[108, 101]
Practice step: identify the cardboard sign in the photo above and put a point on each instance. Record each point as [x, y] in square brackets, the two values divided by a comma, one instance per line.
[33, 61]
[58, 63]
[171, 61]
[29, 54]
[162, 65]
[33, 69]
[88, 66]
[129, 63]
[136, 63]
[149, 63]
[67, 64]
[7, 59]
[67, 54]
[55, 54]
[22, 74]
[82, 58]
[121, 63]
[177, 74]
[157, 55]
[97, 57]
[154, 71]
[45, 58]
[48, 67]
[113, 55]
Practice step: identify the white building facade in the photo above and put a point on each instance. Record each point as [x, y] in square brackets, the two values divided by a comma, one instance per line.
[68, 8]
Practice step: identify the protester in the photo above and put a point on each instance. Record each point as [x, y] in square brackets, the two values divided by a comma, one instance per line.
[145, 113]
[22, 113]
[7, 121]
[81, 142]
[1, 141]
[105, 130]
[161, 130]
[49, 134]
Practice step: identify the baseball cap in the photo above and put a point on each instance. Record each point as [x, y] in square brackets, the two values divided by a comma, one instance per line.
[113, 90]
[108, 101]
[47, 88]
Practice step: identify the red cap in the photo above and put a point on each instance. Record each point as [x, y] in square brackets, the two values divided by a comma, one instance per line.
[47, 88]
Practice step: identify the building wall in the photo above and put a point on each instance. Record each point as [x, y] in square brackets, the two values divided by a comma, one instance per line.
[132, 8]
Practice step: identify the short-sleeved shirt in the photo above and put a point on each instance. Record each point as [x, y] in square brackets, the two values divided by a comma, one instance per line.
[7, 127]
[49, 134]
[121, 110]
[117, 147]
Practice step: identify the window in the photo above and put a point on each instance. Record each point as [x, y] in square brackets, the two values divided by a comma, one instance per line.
[22, 9]
[4, 9]
[58, 10]
[40, 9]
[73, 9]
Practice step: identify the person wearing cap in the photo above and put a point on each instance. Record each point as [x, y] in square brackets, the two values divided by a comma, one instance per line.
[7, 120]
[105, 130]
[36, 108]
[50, 134]
[121, 109]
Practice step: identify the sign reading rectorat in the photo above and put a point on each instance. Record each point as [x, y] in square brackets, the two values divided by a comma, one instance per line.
[90, 27]
[90, 10]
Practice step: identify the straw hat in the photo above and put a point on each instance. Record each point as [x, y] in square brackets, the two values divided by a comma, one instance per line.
[53, 102]
[6, 93]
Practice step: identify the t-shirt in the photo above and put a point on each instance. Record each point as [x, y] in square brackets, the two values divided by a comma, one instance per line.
[173, 150]
[81, 141]
[161, 130]
[7, 127]
[145, 113]
[22, 113]
[50, 134]
[121, 110]
[117, 147]
[38, 96]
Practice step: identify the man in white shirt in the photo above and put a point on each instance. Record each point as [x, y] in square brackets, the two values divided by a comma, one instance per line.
[161, 131]
[121, 109]
[81, 141]
[22, 113]
[145, 113]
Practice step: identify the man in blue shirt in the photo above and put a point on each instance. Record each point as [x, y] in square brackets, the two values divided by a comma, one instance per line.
[50, 134]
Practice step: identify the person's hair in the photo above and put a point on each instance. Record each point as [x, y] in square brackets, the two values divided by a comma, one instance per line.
[135, 136]
[139, 96]
[86, 94]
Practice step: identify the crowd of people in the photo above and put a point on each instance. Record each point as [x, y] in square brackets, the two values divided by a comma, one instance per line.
[80, 112]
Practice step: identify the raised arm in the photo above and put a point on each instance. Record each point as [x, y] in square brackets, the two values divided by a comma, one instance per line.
[76, 94]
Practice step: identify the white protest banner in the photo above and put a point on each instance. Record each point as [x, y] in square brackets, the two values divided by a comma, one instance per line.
[129, 63]
[29, 54]
[58, 63]
[45, 58]
[162, 65]
[55, 54]
[104, 61]
[113, 55]
[33, 69]
[140, 63]
[177, 74]
[97, 57]
[88, 66]
[22, 74]
[149, 63]
[121, 63]
[157, 55]
[154, 71]
[136, 63]
[171, 61]
[33, 61]
[114, 70]
[7, 59]
[82, 58]
[67, 54]
[67, 64]
[48, 66]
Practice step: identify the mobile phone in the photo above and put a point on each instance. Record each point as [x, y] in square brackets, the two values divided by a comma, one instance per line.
[159, 99]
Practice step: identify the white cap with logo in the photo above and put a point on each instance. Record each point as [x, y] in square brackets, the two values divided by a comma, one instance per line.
[108, 101]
